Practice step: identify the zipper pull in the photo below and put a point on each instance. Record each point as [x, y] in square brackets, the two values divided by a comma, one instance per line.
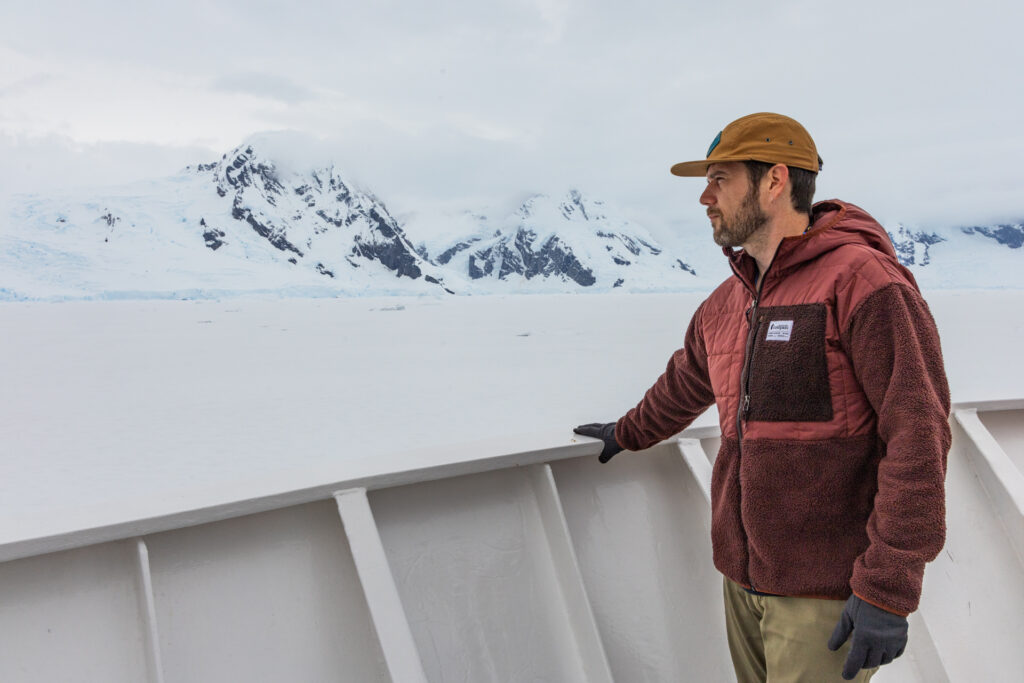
[746, 404]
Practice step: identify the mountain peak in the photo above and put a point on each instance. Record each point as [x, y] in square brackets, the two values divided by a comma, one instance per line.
[568, 240]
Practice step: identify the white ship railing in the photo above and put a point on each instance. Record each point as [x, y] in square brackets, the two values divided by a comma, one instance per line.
[533, 564]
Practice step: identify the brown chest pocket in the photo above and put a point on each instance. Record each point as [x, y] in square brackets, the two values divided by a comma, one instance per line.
[788, 379]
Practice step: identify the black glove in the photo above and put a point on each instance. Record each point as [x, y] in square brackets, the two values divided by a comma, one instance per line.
[605, 432]
[878, 636]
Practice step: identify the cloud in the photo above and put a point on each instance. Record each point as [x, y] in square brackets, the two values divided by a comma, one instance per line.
[264, 85]
[52, 163]
[27, 85]
[913, 109]
[555, 15]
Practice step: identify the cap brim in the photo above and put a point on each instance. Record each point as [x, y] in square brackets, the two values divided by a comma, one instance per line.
[692, 169]
[699, 169]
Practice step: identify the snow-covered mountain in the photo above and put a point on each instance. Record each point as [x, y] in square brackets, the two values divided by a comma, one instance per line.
[315, 217]
[259, 221]
[958, 257]
[556, 243]
[250, 223]
[1011, 236]
[242, 223]
[912, 246]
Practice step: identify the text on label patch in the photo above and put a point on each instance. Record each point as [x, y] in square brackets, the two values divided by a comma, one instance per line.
[779, 330]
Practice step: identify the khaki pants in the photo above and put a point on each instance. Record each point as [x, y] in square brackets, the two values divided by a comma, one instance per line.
[784, 640]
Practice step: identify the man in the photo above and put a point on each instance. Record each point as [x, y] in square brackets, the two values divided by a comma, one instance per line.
[824, 362]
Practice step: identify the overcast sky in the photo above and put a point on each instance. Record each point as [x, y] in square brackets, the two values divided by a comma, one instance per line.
[915, 107]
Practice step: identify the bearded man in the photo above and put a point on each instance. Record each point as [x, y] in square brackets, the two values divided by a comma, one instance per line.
[824, 362]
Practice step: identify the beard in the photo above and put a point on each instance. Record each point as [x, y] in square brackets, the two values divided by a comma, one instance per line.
[749, 219]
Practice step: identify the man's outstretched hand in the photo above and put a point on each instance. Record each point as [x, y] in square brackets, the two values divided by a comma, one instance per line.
[878, 636]
[605, 432]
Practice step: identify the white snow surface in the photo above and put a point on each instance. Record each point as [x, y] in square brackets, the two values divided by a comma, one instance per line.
[113, 411]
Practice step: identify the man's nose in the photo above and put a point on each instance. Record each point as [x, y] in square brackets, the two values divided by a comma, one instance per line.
[707, 198]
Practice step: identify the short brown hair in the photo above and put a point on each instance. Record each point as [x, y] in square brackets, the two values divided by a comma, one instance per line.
[801, 183]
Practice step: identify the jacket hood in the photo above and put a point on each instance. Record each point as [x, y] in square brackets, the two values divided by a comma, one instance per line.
[833, 224]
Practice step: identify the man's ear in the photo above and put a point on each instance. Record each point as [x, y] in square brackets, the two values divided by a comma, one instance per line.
[776, 179]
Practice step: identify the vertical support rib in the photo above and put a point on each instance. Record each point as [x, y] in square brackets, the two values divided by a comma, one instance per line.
[153, 661]
[922, 649]
[393, 632]
[999, 476]
[693, 455]
[563, 555]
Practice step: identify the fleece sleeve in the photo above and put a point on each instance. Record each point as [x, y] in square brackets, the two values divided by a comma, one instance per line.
[681, 394]
[894, 347]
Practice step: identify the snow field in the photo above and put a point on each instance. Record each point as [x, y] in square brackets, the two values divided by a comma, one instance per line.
[115, 410]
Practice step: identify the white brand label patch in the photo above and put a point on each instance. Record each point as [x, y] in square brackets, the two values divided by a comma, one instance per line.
[779, 330]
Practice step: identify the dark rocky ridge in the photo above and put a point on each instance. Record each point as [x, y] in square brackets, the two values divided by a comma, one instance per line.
[1011, 236]
[906, 242]
[518, 256]
[257, 190]
[537, 240]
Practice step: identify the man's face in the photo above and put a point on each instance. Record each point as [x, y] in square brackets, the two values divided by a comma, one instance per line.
[733, 204]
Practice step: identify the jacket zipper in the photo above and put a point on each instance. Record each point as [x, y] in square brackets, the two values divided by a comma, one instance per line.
[744, 403]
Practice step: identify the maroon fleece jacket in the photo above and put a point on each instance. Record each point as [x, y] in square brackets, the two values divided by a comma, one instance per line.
[834, 410]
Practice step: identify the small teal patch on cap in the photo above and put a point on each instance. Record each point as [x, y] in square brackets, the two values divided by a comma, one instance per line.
[714, 143]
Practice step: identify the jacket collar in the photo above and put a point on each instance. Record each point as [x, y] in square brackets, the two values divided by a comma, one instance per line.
[833, 224]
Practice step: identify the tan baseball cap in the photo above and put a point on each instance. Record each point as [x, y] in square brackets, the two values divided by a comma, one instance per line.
[772, 138]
